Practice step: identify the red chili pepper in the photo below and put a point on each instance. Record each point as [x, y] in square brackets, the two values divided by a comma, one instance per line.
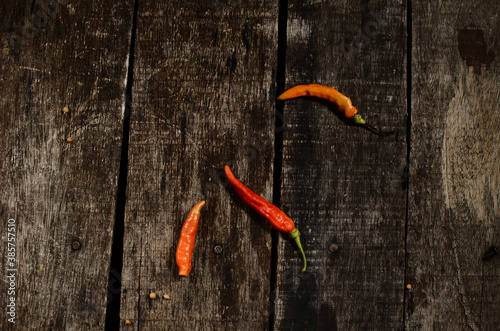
[185, 246]
[343, 103]
[277, 218]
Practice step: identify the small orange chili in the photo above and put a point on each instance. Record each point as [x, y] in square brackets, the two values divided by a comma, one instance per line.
[277, 218]
[327, 93]
[343, 103]
[185, 246]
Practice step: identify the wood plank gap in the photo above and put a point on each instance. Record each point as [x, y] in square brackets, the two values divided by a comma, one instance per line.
[115, 271]
[407, 299]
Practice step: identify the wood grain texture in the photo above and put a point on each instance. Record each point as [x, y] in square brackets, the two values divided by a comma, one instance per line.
[203, 97]
[342, 184]
[56, 54]
[455, 174]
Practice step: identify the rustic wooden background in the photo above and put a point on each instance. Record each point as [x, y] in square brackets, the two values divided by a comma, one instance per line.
[160, 96]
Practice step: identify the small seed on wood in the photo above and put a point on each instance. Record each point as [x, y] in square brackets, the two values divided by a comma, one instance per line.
[152, 295]
[166, 297]
[334, 248]
[128, 322]
[65, 109]
[69, 139]
[408, 286]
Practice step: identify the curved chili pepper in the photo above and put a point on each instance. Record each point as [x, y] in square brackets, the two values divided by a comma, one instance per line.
[185, 246]
[277, 218]
[343, 103]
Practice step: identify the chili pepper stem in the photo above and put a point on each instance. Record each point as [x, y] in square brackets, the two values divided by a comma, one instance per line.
[358, 119]
[378, 131]
[295, 235]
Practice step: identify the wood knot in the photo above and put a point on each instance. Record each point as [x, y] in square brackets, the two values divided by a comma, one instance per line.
[218, 249]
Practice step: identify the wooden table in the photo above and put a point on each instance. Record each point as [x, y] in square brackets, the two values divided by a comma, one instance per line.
[160, 96]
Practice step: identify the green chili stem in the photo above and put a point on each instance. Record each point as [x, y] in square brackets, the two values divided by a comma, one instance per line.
[358, 119]
[295, 235]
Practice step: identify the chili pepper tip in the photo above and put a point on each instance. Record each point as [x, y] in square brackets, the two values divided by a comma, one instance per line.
[185, 246]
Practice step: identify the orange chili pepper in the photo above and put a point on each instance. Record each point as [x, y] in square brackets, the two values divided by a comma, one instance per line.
[185, 246]
[327, 93]
[277, 218]
[343, 103]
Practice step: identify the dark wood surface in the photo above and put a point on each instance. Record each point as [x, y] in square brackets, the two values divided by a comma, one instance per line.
[189, 87]
[203, 97]
[341, 183]
[454, 211]
[57, 55]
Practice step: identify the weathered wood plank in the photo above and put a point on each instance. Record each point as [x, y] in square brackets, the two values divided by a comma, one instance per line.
[203, 96]
[56, 54]
[341, 183]
[455, 174]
